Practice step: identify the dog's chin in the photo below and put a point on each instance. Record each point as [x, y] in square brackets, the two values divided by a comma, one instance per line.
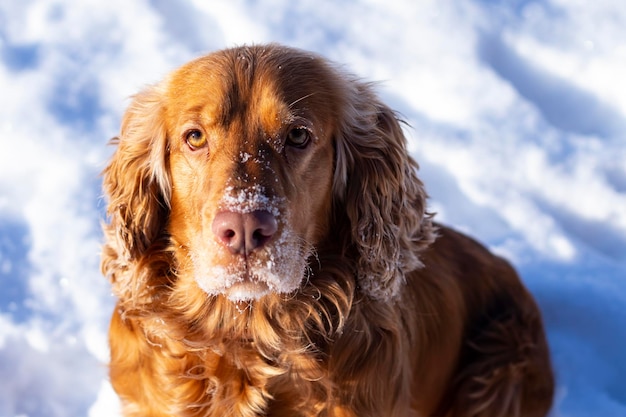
[242, 287]
[246, 291]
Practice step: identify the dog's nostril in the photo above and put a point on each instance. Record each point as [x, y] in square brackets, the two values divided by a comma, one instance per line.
[258, 235]
[262, 224]
[244, 232]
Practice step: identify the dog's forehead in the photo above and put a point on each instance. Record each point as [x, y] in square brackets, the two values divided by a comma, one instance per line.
[272, 85]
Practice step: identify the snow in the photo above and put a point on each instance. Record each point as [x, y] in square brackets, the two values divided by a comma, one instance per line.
[249, 199]
[518, 119]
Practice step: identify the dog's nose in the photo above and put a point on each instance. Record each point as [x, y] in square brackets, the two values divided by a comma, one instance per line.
[242, 233]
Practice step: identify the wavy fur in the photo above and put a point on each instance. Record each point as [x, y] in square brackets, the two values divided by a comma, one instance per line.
[386, 320]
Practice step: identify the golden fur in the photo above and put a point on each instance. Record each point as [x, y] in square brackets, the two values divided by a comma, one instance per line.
[354, 304]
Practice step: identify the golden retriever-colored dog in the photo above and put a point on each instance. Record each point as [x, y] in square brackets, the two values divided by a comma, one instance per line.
[272, 254]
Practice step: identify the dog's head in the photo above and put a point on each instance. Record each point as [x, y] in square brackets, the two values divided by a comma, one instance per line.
[244, 162]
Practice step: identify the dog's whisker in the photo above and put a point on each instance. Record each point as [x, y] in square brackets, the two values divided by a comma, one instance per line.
[293, 103]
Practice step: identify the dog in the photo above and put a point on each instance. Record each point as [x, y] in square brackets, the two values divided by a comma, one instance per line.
[272, 254]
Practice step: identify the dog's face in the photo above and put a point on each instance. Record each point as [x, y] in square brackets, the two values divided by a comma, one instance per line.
[251, 164]
[248, 163]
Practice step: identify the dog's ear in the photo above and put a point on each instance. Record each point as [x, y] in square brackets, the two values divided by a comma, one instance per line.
[138, 188]
[377, 186]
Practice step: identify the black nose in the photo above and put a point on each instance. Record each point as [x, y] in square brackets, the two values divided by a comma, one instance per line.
[243, 233]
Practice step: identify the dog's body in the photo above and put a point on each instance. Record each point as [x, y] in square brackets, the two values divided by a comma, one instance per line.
[272, 255]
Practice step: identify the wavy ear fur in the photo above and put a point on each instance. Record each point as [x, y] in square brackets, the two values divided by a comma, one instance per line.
[377, 186]
[138, 188]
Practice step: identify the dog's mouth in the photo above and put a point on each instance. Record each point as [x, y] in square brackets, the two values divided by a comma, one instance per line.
[249, 287]
[279, 268]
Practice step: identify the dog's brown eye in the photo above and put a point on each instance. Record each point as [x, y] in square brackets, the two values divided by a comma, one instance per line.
[299, 137]
[195, 139]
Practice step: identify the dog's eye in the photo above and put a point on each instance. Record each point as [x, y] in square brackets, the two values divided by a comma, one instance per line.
[195, 139]
[298, 137]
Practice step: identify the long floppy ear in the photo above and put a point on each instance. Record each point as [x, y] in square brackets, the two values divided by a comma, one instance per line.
[377, 186]
[138, 188]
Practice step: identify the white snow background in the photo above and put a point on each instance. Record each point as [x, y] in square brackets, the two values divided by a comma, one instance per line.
[518, 115]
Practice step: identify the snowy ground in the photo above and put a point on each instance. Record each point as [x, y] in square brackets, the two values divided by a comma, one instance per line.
[518, 114]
